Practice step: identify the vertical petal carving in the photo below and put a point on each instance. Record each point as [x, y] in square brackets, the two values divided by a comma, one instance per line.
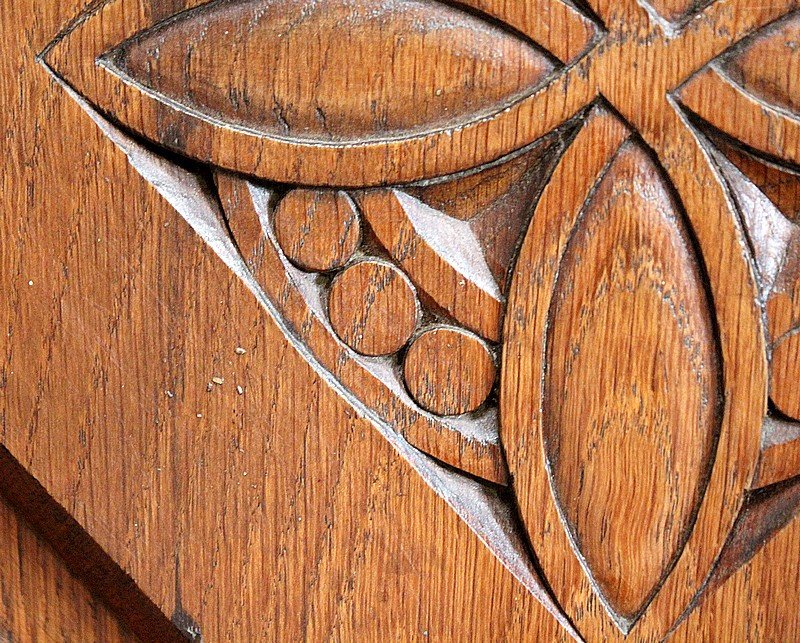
[631, 386]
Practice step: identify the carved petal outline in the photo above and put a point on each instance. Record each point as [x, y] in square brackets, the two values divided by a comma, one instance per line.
[521, 427]
[73, 57]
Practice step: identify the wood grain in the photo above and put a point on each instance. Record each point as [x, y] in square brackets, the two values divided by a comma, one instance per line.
[529, 306]
[603, 192]
[449, 371]
[785, 386]
[373, 308]
[617, 408]
[780, 452]
[677, 11]
[40, 600]
[418, 54]
[448, 443]
[768, 67]
[498, 199]
[454, 277]
[318, 230]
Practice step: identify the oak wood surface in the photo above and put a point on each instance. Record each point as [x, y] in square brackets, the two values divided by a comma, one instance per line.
[479, 323]
[39, 599]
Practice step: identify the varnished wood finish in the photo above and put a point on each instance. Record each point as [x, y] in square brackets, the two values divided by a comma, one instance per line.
[466, 290]
[373, 308]
[628, 285]
[41, 600]
[449, 371]
[768, 67]
[303, 306]
[195, 61]
[785, 387]
[398, 319]
[317, 229]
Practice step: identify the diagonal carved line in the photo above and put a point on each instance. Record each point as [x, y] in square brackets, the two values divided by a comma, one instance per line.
[765, 513]
[83, 556]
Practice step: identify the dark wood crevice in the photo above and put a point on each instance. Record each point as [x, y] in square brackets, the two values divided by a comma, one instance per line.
[82, 555]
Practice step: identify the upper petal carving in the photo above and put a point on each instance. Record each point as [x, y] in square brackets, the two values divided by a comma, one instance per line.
[344, 70]
[280, 90]
[778, 83]
[630, 424]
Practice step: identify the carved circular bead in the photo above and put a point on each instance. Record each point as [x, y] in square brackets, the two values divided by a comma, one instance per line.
[449, 371]
[373, 308]
[318, 230]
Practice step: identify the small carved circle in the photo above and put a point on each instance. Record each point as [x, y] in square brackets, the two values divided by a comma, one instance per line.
[449, 371]
[318, 230]
[373, 308]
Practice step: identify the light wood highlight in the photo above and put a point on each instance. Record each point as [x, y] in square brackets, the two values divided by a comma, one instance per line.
[676, 11]
[456, 278]
[780, 452]
[497, 200]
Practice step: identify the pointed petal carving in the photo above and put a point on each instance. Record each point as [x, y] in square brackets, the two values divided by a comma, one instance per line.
[757, 125]
[778, 83]
[236, 63]
[555, 24]
[408, 119]
[607, 272]
[629, 285]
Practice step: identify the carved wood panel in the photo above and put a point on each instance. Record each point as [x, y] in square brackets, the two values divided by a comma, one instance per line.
[530, 263]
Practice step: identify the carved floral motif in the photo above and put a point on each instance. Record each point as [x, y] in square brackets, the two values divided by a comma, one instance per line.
[524, 272]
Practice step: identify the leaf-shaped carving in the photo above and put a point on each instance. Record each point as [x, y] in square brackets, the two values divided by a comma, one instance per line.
[278, 89]
[271, 67]
[618, 473]
[629, 436]
[778, 83]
